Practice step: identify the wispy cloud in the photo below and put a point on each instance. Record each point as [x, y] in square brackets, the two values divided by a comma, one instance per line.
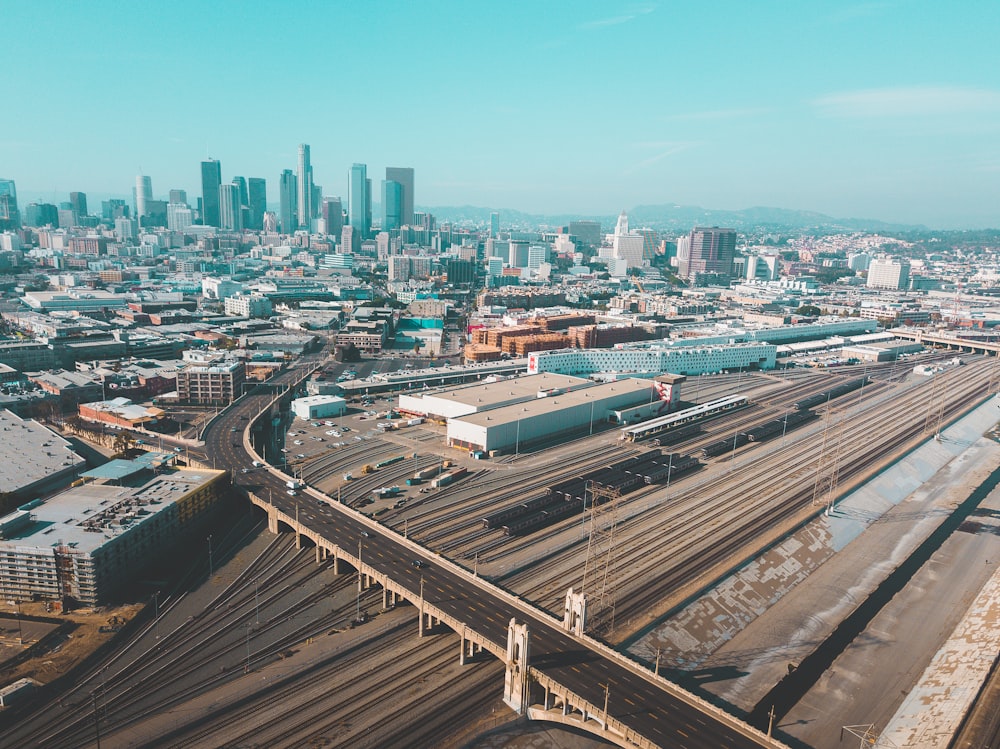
[625, 17]
[908, 101]
[664, 149]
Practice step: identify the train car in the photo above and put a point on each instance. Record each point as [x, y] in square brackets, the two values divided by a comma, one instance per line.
[499, 518]
[678, 465]
[542, 519]
[703, 412]
[679, 434]
[724, 445]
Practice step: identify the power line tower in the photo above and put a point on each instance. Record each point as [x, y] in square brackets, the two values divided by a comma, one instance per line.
[828, 463]
[599, 580]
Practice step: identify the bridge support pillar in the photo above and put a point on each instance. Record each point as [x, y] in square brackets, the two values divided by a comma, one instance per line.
[515, 683]
[319, 554]
[575, 613]
[272, 520]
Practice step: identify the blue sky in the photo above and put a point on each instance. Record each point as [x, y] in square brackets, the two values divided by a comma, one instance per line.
[887, 110]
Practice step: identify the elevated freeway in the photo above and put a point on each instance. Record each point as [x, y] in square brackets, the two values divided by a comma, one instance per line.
[553, 671]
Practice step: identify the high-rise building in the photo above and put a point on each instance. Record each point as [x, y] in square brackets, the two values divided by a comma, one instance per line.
[358, 199]
[586, 232]
[230, 208]
[305, 192]
[143, 194]
[392, 204]
[41, 214]
[9, 216]
[241, 185]
[888, 273]
[494, 224]
[257, 187]
[711, 254]
[178, 196]
[114, 208]
[627, 245]
[288, 201]
[404, 177]
[179, 216]
[78, 203]
[211, 179]
[333, 215]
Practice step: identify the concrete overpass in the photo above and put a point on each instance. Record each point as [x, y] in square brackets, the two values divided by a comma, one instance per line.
[553, 670]
[946, 341]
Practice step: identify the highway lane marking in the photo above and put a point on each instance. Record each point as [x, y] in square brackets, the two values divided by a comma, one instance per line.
[682, 733]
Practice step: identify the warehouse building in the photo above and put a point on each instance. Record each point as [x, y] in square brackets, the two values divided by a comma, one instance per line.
[89, 541]
[509, 428]
[318, 407]
[33, 458]
[654, 359]
[486, 395]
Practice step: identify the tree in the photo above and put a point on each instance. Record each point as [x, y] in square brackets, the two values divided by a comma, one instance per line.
[809, 310]
[123, 441]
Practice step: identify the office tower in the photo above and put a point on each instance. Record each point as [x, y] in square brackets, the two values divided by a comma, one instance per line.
[889, 273]
[333, 215]
[241, 186]
[257, 192]
[711, 254]
[392, 204]
[78, 203]
[305, 192]
[270, 221]
[211, 180]
[288, 197]
[586, 232]
[349, 239]
[517, 256]
[113, 209]
[143, 194]
[230, 213]
[357, 199]
[41, 214]
[178, 196]
[9, 216]
[179, 216]
[537, 254]
[404, 177]
[494, 224]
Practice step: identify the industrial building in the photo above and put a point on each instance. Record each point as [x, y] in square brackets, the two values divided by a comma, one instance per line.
[509, 428]
[89, 541]
[33, 458]
[487, 395]
[654, 359]
[319, 407]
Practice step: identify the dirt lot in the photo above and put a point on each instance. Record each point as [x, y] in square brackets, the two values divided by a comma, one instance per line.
[64, 650]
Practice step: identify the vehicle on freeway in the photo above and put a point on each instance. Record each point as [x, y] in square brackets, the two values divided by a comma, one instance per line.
[292, 492]
[300, 456]
[298, 442]
[418, 563]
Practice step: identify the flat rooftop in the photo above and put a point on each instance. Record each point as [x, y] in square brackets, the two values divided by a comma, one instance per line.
[85, 517]
[30, 452]
[553, 405]
[484, 395]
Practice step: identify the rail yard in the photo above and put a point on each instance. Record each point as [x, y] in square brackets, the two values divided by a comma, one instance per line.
[640, 521]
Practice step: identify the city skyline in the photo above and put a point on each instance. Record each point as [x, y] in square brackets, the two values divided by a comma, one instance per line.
[883, 110]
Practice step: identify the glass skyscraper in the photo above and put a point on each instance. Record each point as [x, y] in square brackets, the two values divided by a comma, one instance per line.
[9, 216]
[288, 197]
[392, 204]
[359, 200]
[211, 180]
[403, 176]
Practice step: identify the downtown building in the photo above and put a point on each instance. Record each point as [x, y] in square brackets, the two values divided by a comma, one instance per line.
[216, 384]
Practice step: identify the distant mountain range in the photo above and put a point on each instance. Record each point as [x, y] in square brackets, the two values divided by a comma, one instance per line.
[674, 218]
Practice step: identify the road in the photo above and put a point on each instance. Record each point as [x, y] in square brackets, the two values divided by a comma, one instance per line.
[639, 702]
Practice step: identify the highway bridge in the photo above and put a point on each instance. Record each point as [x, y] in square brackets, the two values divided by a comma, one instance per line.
[553, 670]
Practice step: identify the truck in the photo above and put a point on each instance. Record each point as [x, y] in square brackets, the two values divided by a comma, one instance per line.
[386, 491]
[367, 468]
[294, 484]
[414, 421]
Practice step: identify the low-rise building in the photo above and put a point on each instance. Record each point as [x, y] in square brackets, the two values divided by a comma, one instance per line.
[217, 384]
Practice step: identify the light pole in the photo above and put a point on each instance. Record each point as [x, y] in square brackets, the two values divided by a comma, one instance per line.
[256, 601]
[247, 669]
[156, 615]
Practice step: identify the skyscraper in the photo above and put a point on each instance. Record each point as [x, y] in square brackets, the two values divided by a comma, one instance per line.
[78, 203]
[358, 199]
[494, 224]
[305, 193]
[403, 176]
[211, 179]
[230, 208]
[392, 204]
[288, 196]
[257, 187]
[711, 254]
[241, 185]
[143, 194]
[333, 215]
[9, 216]
[178, 196]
